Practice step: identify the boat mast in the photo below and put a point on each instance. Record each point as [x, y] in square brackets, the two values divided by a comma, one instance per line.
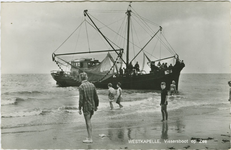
[128, 34]
[119, 54]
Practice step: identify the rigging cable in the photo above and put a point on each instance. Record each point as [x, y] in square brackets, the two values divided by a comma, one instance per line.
[105, 37]
[136, 32]
[87, 35]
[68, 37]
[160, 45]
[166, 46]
[153, 31]
[143, 19]
[143, 24]
[104, 25]
[112, 31]
[151, 55]
[78, 35]
[155, 46]
[169, 44]
[120, 40]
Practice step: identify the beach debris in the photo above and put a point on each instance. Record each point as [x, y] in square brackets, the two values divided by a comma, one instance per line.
[186, 147]
[102, 135]
[224, 141]
[197, 139]
[171, 148]
[200, 139]
[125, 147]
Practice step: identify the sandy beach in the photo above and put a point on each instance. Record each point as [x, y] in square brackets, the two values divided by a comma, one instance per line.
[197, 127]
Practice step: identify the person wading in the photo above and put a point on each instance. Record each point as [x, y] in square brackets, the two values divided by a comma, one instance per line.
[88, 103]
[164, 101]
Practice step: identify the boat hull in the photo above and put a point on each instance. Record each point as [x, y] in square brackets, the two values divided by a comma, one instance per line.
[149, 81]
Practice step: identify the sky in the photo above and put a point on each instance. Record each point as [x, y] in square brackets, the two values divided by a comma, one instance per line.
[198, 31]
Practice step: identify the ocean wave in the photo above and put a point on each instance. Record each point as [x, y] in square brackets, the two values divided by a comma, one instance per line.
[37, 111]
[68, 109]
[12, 101]
[22, 114]
[26, 125]
[24, 131]
[22, 92]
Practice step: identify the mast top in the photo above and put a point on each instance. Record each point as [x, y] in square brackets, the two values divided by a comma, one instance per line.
[129, 9]
[85, 12]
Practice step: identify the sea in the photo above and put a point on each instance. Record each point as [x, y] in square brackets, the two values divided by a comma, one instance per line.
[34, 100]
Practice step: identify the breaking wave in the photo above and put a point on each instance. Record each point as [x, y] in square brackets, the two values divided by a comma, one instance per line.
[22, 92]
[37, 111]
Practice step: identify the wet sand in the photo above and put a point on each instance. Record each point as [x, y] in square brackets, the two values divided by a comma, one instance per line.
[197, 127]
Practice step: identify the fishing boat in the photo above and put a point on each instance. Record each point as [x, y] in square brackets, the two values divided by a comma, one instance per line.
[117, 64]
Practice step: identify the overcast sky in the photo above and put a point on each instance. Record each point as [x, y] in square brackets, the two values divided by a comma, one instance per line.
[198, 31]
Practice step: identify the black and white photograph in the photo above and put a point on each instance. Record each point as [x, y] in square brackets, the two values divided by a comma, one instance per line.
[115, 74]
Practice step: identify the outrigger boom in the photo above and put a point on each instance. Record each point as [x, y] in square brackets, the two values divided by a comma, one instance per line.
[120, 50]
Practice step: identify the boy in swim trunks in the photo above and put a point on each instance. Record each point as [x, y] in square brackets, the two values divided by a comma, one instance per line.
[111, 94]
[164, 101]
[119, 94]
[172, 88]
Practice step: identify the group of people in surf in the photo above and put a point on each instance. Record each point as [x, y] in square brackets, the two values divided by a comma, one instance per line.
[89, 101]
[114, 95]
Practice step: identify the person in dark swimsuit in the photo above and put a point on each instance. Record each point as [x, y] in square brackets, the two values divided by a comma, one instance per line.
[164, 101]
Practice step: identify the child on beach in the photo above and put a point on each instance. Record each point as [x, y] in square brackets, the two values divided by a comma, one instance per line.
[173, 88]
[229, 83]
[164, 101]
[111, 94]
[119, 94]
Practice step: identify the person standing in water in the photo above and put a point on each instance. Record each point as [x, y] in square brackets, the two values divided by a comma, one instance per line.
[88, 103]
[229, 83]
[164, 101]
[173, 88]
[111, 95]
[119, 94]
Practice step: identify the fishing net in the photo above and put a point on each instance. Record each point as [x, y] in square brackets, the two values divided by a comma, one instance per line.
[103, 71]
